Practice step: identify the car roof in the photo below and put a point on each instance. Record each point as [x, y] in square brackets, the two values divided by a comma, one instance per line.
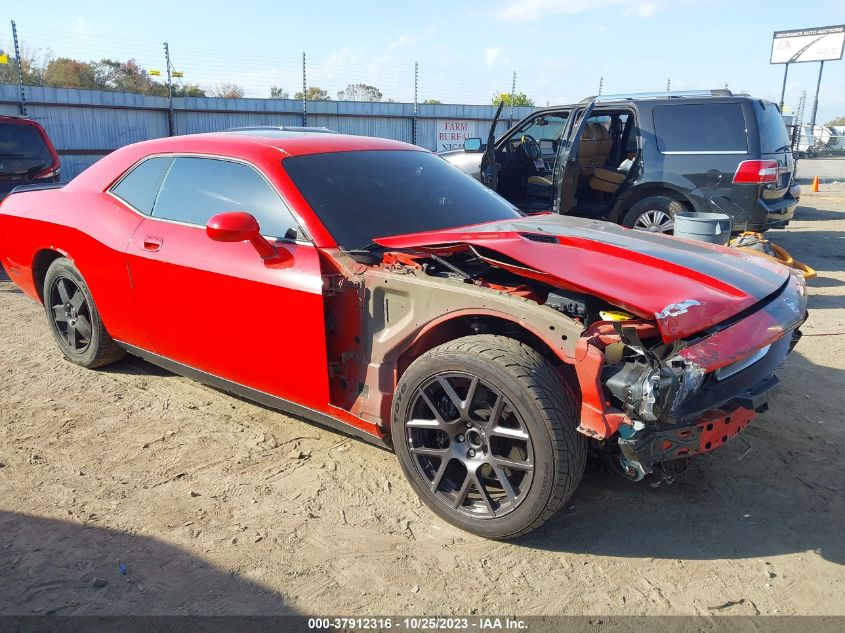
[18, 119]
[291, 143]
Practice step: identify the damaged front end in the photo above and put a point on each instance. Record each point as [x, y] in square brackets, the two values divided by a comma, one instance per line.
[693, 396]
[671, 366]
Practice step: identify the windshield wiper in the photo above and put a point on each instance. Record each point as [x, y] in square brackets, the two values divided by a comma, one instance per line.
[369, 247]
[12, 155]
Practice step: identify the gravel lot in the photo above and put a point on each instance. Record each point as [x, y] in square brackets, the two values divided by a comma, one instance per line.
[213, 505]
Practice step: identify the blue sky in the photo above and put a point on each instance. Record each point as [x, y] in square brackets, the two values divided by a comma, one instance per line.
[466, 50]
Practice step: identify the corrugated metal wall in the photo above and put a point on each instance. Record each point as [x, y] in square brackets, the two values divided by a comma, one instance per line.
[86, 124]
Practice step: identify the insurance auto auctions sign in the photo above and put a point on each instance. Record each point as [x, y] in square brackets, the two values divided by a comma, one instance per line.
[808, 45]
[451, 133]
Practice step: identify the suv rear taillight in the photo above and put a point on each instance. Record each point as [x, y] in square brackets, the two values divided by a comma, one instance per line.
[756, 172]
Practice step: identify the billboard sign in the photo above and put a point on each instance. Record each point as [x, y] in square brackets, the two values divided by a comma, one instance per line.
[808, 45]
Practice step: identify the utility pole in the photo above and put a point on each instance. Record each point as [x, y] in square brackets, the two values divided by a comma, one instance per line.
[816, 101]
[304, 93]
[416, 101]
[170, 125]
[601, 85]
[22, 102]
[513, 97]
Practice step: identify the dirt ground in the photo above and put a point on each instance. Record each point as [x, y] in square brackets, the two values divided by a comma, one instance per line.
[212, 505]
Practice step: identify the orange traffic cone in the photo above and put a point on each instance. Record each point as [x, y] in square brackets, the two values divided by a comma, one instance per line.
[815, 186]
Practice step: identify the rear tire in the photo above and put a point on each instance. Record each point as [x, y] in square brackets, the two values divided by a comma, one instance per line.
[73, 317]
[655, 215]
[499, 458]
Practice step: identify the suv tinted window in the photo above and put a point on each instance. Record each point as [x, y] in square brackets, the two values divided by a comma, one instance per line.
[773, 134]
[21, 148]
[198, 188]
[140, 186]
[710, 127]
[361, 195]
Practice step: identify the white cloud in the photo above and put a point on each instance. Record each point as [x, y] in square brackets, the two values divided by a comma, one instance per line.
[82, 27]
[529, 10]
[491, 55]
[642, 9]
[406, 39]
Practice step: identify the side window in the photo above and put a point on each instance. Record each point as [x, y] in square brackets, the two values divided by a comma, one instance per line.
[198, 188]
[712, 127]
[140, 186]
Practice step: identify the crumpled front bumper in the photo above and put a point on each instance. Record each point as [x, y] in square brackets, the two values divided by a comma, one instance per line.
[644, 449]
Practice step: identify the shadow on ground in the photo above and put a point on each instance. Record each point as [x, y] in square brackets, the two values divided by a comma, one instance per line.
[62, 568]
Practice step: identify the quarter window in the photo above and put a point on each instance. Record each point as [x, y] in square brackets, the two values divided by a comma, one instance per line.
[198, 188]
[140, 186]
[712, 127]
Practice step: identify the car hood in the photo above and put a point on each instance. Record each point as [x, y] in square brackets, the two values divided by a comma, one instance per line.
[685, 286]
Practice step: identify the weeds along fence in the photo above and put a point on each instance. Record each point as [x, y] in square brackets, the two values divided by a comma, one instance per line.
[85, 125]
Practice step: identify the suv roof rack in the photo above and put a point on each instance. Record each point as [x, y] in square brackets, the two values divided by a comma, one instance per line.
[282, 128]
[719, 92]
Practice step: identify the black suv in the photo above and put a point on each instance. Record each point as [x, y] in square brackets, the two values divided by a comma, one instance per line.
[637, 159]
[27, 155]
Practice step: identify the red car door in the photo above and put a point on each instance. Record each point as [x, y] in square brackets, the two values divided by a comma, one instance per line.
[217, 307]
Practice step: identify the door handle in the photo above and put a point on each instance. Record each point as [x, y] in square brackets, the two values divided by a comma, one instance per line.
[152, 243]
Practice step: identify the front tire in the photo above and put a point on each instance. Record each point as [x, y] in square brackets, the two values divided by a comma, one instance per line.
[74, 319]
[485, 431]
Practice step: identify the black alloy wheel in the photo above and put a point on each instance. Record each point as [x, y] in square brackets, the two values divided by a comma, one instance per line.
[485, 430]
[74, 319]
[470, 444]
[71, 314]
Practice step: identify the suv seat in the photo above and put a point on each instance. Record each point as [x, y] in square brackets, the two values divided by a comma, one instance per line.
[604, 143]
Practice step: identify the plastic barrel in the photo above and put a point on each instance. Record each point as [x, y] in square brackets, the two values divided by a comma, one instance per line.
[705, 227]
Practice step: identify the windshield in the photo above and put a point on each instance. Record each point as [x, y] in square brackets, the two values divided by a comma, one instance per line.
[22, 149]
[361, 195]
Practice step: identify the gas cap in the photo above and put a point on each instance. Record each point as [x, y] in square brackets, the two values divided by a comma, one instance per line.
[713, 177]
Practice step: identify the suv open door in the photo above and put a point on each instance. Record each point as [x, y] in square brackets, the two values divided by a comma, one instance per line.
[489, 166]
[567, 169]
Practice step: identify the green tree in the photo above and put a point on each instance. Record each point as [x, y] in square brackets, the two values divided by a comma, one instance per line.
[128, 76]
[278, 93]
[519, 99]
[188, 90]
[359, 92]
[314, 93]
[432, 102]
[70, 73]
[227, 90]
[840, 120]
[33, 68]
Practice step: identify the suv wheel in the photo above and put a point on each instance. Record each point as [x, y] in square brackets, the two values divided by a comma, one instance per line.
[485, 431]
[655, 215]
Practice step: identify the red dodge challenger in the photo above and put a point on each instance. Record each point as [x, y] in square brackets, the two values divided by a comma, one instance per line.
[368, 285]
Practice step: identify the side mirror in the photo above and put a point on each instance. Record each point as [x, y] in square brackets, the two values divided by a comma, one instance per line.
[233, 226]
[239, 226]
[472, 145]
